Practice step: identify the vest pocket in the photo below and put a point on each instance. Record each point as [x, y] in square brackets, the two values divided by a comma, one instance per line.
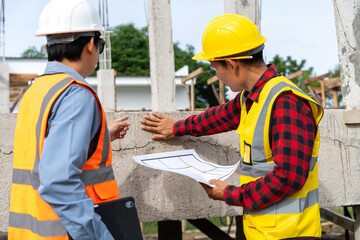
[103, 192]
[258, 221]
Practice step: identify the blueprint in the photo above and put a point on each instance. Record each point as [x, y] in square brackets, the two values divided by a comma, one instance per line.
[188, 163]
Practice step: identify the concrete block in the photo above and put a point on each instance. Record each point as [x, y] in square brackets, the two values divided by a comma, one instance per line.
[4, 88]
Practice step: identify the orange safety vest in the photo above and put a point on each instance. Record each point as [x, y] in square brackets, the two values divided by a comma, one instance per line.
[30, 216]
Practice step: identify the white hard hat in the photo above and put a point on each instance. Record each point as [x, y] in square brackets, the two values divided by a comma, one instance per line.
[68, 16]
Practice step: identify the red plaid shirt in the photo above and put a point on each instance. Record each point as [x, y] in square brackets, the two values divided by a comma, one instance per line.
[293, 132]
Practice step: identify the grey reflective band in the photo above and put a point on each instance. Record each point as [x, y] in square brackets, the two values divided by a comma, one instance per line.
[106, 145]
[258, 148]
[258, 169]
[313, 161]
[47, 98]
[50, 228]
[95, 176]
[289, 205]
[21, 176]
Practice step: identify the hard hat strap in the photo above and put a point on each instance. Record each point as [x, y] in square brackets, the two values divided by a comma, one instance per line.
[66, 38]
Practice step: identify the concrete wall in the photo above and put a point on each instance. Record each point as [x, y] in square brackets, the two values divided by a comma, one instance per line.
[163, 195]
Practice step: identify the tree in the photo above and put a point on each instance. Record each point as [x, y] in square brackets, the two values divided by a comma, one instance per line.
[289, 65]
[33, 52]
[129, 50]
[130, 56]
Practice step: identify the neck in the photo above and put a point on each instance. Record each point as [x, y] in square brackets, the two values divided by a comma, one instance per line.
[253, 74]
[78, 66]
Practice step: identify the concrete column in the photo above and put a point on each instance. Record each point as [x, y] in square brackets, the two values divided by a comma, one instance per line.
[247, 8]
[4, 88]
[347, 19]
[162, 66]
[106, 89]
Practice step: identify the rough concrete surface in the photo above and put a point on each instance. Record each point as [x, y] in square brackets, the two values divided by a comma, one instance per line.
[163, 195]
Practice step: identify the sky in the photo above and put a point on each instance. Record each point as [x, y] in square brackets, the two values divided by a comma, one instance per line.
[302, 29]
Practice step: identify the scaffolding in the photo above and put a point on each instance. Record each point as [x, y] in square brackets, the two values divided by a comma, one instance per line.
[105, 57]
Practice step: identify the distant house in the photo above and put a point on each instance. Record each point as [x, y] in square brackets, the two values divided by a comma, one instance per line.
[133, 93]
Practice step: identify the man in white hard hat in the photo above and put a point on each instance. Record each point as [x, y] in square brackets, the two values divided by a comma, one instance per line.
[279, 138]
[62, 149]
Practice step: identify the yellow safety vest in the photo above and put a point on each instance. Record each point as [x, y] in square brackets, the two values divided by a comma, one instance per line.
[297, 215]
[30, 216]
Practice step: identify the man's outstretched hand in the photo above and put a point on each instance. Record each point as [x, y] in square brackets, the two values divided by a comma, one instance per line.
[217, 192]
[118, 128]
[161, 125]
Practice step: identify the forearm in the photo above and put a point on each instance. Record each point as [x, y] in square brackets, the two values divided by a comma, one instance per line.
[217, 119]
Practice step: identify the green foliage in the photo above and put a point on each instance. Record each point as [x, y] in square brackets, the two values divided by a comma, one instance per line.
[289, 65]
[336, 71]
[33, 52]
[129, 50]
[130, 56]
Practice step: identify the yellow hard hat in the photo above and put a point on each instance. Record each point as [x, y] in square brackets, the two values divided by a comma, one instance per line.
[230, 36]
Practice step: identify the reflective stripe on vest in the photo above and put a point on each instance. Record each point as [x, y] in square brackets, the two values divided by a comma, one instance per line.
[40, 222]
[279, 220]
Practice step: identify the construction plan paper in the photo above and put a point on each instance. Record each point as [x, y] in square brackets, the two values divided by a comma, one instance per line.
[188, 163]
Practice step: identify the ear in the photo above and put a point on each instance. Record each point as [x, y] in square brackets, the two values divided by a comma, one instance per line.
[90, 47]
[231, 64]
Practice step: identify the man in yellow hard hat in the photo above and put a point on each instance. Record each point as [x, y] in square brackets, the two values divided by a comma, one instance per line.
[278, 128]
[62, 149]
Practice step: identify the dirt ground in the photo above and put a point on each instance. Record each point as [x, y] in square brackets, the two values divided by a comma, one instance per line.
[330, 232]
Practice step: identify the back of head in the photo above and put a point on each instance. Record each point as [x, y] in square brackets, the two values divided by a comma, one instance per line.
[230, 36]
[68, 25]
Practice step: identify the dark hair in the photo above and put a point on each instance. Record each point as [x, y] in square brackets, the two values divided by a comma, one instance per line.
[256, 59]
[71, 51]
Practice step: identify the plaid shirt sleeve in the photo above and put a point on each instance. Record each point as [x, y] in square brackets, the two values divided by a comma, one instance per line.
[293, 132]
[222, 118]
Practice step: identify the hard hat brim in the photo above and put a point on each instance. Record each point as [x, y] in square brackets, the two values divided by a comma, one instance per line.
[199, 56]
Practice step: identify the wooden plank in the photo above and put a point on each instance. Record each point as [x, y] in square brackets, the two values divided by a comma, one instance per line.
[212, 80]
[18, 97]
[192, 74]
[314, 79]
[338, 219]
[209, 229]
[222, 92]
[215, 93]
[335, 98]
[332, 81]
[323, 97]
[192, 92]
[21, 80]
[294, 75]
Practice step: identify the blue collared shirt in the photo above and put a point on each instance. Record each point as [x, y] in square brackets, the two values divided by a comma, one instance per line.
[73, 122]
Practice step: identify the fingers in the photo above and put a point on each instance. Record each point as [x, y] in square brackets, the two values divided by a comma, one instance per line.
[121, 119]
[149, 123]
[158, 115]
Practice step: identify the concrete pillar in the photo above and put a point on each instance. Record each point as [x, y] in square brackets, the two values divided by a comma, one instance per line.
[106, 89]
[162, 66]
[347, 19]
[4, 88]
[247, 8]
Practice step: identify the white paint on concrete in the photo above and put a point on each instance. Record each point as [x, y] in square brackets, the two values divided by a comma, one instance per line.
[106, 89]
[162, 66]
[4, 88]
[347, 18]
